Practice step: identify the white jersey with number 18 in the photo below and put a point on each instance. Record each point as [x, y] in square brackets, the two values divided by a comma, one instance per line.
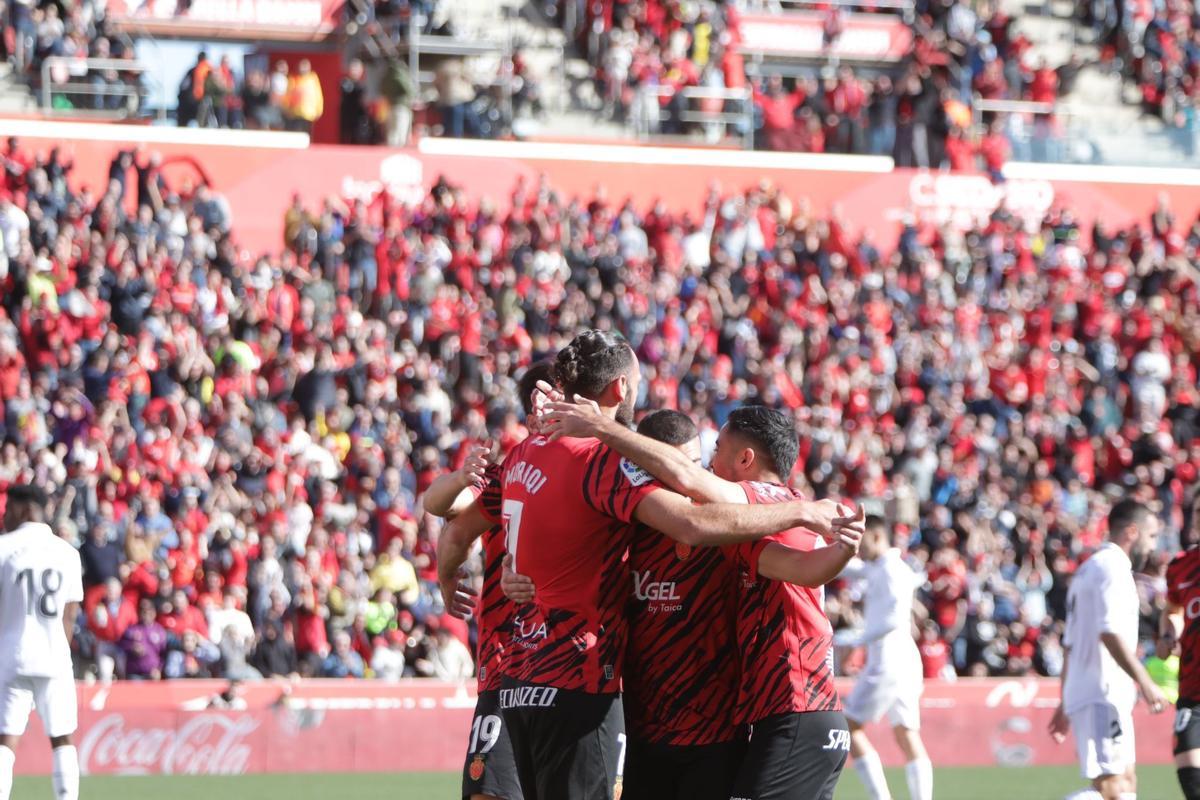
[39, 575]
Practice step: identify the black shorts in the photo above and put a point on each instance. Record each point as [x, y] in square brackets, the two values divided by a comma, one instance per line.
[797, 756]
[567, 745]
[1187, 726]
[490, 769]
[682, 772]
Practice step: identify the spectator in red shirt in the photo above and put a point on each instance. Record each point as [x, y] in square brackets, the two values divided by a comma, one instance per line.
[779, 112]
[995, 151]
[109, 612]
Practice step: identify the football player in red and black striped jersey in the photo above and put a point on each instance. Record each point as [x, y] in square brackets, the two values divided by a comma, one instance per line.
[1180, 625]
[786, 689]
[490, 773]
[568, 507]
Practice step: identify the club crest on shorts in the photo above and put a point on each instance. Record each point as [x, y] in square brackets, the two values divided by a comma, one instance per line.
[477, 767]
[683, 551]
[617, 788]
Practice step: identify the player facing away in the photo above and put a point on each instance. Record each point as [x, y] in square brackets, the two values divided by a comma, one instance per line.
[1180, 625]
[490, 772]
[568, 509]
[892, 680]
[799, 739]
[41, 587]
[1101, 674]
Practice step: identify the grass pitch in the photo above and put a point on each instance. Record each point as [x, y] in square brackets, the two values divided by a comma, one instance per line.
[970, 783]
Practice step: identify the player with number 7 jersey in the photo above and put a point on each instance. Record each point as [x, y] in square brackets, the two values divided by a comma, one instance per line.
[567, 506]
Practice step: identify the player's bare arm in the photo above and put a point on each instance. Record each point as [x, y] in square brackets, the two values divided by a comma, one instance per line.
[1128, 662]
[70, 614]
[1060, 723]
[516, 587]
[804, 568]
[1170, 623]
[582, 419]
[450, 494]
[718, 524]
[454, 545]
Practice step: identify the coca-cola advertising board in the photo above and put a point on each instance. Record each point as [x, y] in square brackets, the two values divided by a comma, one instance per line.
[171, 728]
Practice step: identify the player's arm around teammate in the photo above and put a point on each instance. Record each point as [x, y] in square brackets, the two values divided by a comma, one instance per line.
[676, 471]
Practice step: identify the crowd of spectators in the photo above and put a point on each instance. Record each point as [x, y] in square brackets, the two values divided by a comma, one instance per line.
[1157, 49]
[239, 445]
[217, 96]
[918, 110]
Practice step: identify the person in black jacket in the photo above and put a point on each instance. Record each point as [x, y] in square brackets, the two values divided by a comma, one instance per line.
[354, 120]
[274, 654]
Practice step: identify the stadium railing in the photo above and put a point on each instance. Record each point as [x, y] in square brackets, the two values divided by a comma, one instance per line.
[65, 80]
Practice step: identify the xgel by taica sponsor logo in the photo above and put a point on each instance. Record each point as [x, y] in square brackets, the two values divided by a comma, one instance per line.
[660, 596]
[528, 697]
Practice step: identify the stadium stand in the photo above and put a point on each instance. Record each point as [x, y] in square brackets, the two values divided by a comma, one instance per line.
[241, 443]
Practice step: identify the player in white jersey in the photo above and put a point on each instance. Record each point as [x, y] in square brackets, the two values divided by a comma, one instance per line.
[892, 680]
[41, 587]
[1101, 674]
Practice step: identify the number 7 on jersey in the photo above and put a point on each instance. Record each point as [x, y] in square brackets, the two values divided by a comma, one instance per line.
[510, 517]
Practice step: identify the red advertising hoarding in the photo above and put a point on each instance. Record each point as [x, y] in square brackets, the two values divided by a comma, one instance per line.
[801, 35]
[267, 20]
[343, 726]
[259, 182]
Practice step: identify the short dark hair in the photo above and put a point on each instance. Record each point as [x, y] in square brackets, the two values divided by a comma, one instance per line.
[771, 434]
[592, 361]
[875, 521]
[668, 426]
[1125, 513]
[540, 371]
[27, 494]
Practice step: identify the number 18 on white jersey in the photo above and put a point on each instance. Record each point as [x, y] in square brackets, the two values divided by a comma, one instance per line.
[39, 575]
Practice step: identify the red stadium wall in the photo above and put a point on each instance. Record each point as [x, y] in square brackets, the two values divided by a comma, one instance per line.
[338, 726]
[259, 182]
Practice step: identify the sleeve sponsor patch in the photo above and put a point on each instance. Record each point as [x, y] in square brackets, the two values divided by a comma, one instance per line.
[635, 474]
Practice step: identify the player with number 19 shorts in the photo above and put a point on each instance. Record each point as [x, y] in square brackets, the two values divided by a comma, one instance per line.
[490, 770]
[568, 508]
[1182, 623]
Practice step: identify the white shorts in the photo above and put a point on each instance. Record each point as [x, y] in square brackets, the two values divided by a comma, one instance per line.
[1103, 739]
[54, 699]
[876, 695]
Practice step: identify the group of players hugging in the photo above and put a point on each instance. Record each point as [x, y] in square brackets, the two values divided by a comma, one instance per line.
[649, 629]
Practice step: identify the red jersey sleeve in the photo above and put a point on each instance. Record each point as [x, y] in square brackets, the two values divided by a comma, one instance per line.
[1174, 578]
[490, 497]
[614, 486]
[746, 554]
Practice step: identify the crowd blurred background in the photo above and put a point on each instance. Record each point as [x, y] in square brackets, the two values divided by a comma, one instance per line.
[933, 105]
[239, 445]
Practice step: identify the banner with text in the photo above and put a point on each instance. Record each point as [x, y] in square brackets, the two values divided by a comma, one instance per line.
[340, 726]
[259, 182]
